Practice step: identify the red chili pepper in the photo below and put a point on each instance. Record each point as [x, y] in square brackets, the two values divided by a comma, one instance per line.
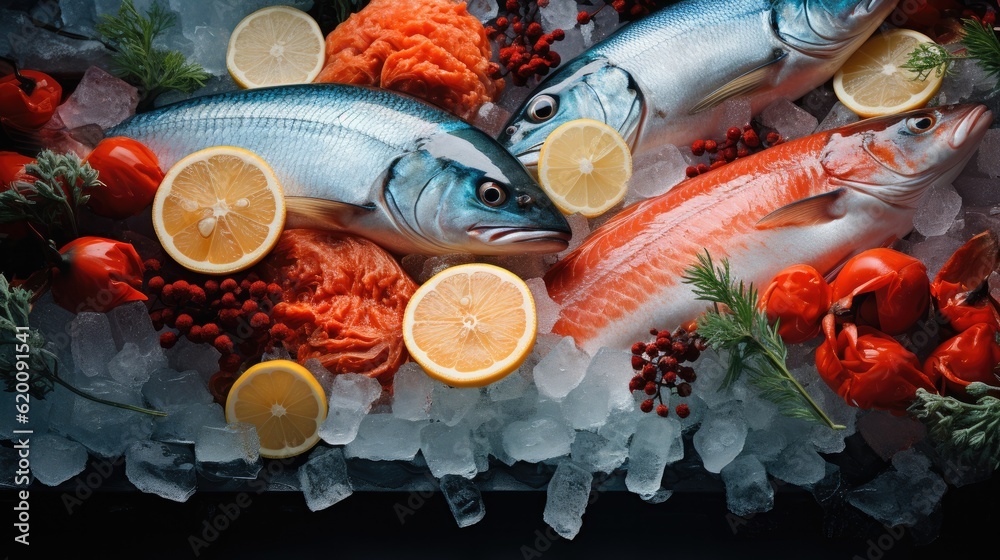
[798, 297]
[958, 286]
[97, 274]
[869, 369]
[28, 98]
[971, 355]
[895, 287]
[131, 174]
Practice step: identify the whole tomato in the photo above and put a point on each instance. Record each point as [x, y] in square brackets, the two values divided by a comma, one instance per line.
[11, 170]
[884, 288]
[97, 274]
[971, 355]
[131, 174]
[958, 286]
[797, 297]
[28, 99]
[869, 369]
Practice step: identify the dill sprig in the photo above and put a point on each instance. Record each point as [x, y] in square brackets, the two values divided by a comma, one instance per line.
[753, 346]
[153, 71]
[929, 58]
[50, 201]
[982, 45]
[18, 339]
[967, 432]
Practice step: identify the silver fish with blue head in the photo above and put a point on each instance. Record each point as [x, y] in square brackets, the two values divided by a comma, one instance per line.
[664, 79]
[370, 162]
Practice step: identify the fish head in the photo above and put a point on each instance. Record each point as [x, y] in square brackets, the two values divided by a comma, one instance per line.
[461, 192]
[898, 157]
[828, 29]
[586, 87]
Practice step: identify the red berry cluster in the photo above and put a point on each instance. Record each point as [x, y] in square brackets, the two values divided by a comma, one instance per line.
[739, 142]
[659, 367]
[627, 10]
[233, 314]
[525, 49]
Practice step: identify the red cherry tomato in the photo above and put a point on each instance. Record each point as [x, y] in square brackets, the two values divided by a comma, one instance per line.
[131, 174]
[12, 169]
[884, 288]
[28, 98]
[870, 369]
[97, 274]
[957, 287]
[971, 355]
[798, 297]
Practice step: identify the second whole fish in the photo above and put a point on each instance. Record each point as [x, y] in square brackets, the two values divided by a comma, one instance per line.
[816, 200]
[402, 173]
[664, 79]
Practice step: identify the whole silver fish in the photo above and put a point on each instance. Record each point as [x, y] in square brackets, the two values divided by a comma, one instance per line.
[406, 175]
[663, 79]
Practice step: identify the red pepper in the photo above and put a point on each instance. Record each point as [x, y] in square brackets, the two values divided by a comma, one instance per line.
[870, 369]
[131, 174]
[885, 289]
[958, 288]
[971, 355]
[28, 98]
[798, 297]
[12, 169]
[97, 274]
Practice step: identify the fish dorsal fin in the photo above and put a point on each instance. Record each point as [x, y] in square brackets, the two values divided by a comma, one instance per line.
[306, 211]
[742, 84]
[814, 210]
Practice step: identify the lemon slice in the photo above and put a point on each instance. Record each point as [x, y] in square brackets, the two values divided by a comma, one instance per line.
[219, 210]
[284, 401]
[470, 325]
[584, 166]
[873, 81]
[274, 46]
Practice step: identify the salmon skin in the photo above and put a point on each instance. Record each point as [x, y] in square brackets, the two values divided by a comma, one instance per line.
[817, 200]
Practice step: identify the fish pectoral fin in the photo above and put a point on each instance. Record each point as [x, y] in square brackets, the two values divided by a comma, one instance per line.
[319, 212]
[814, 210]
[742, 84]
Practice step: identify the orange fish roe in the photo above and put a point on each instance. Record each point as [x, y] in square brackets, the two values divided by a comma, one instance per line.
[431, 49]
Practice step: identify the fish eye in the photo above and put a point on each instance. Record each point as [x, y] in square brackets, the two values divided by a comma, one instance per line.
[542, 108]
[917, 125]
[492, 194]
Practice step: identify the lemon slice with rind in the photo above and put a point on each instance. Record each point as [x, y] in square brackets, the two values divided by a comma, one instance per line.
[277, 45]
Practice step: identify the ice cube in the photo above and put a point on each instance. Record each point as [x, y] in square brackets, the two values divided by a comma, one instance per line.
[598, 453]
[77, 17]
[621, 424]
[798, 464]
[132, 367]
[887, 434]
[838, 116]
[130, 322]
[412, 389]
[934, 252]
[451, 404]
[164, 469]
[55, 459]
[604, 388]
[819, 101]
[900, 496]
[40, 49]
[8, 470]
[558, 15]
[448, 450]
[464, 499]
[182, 425]
[170, 390]
[54, 323]
[100, 99]
[105, 430]
[350, 399]
[385, 437]
[986, 157]
[561, 370]
[525, 266]
[765, 445]
[439, 263]
[720, 439]
[566, 499]
[788, 119]
[937, 210]
[229, 452]
[187, 355]
[649, 453]
[537, 438]
[514, 385]
[546, 310]
[92, 345]
[965, 79]
[579, 228]
[656, 172]
[735, 111]
[748, 490]
[324, 479]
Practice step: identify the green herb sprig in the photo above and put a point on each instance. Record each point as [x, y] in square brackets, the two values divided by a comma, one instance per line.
[153, 71]
[752, 344]
[980, 42]
[51, 201]
[967, 432]
[43, 365]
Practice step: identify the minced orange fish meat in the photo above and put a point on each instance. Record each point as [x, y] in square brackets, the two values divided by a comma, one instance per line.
[431, 49]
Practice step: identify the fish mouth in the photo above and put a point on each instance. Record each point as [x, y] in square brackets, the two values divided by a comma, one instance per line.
[972, 127]
[541, 240]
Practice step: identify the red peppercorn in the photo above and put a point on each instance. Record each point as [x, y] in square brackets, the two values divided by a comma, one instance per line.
[734, 134]
[223, 344]
[636, 383]
[646, 405]
[773, 138]
[512, 5]
[750, 138]
[691, 171]
[260, 320]
[167, 292]
[194, 333]
[249, 307]
[686, 373]
[168, 339]
[662, 410]
[702, 168]
[557, 34]
[667, 363]
[742, 151]
[650, 388]
[198, 295]
[669, 378]
[280, 331]
[638, 348]
[155, 284]
[542, 3]
[258, 289]
[183, 323]
[228, 285]
[228, 300]
[698, 147]
[583, 18]
[210, 330]
[152, 265]
[684, 389]
[211, 287]
[649, 372]
[682, 410]
[711, 146]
